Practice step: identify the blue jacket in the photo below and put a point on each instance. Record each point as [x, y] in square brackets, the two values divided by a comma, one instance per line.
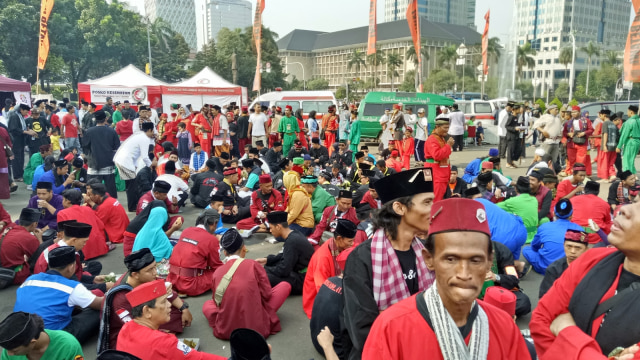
[506, 228]
[50, 178]
[549, 240]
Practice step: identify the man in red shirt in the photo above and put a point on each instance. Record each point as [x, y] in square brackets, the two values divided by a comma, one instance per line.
[330, 128]
[108, 209]
[196, 256]
[17, 244]
[97, 245]
[70, 128]
[436, 153]
[159, 192]
[341, 210]
[263, 201]
[591, 207]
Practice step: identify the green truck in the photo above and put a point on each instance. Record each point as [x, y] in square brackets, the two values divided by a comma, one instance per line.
[374, 103]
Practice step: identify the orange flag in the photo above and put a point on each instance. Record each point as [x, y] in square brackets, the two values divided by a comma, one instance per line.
[257, 37]
[413, 18]
[371, 48]
[43, 48]
[485, 44]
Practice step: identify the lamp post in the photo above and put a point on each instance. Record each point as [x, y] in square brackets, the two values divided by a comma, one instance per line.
[573, 64]
[149, 46]
[304, 83]
[462, 52]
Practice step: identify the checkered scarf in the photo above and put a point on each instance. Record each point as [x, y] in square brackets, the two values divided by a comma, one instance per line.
[389, 286]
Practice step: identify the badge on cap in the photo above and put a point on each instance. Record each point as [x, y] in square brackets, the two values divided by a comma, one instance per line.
[428, 176]
[481, 215]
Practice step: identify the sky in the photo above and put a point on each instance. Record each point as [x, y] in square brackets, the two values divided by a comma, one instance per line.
[283, 16]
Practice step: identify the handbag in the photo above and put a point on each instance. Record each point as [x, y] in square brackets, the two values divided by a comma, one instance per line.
[6, 274]
[579, 140]
[7, 149]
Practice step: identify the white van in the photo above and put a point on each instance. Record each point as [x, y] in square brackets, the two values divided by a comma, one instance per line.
[484, 111]
[307, 100]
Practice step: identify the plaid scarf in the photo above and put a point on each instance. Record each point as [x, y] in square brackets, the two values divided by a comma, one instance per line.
[620, 194]
[389, 286]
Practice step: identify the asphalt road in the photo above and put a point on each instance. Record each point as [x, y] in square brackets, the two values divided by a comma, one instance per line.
[294, 341]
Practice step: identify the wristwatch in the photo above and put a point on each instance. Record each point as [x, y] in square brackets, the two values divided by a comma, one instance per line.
[185, 305]
[497, 278]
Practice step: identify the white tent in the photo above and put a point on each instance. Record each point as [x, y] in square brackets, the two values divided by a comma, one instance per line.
[206, 87]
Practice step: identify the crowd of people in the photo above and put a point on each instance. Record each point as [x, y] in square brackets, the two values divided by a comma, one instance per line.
[383, 250]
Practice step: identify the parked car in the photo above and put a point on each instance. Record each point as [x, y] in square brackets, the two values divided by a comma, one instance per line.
[615, 106]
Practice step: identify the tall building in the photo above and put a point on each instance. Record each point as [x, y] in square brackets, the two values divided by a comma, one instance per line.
[180, 14]
[548, 25]
[232, 14]
[457, 12]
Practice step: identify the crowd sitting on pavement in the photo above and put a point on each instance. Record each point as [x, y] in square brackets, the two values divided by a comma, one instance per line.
[374, 244]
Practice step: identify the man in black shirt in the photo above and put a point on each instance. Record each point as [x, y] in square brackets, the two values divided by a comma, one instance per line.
[233, 210]
[274, 156]
[99, 144]
[19, 134]
[319, 154]
[127, 112]
[40, 126]
[243, 129]
[220, 162]
[203, 184]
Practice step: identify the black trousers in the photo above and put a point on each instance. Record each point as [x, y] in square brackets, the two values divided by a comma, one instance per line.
[502, 147]
[84, 325]
[458, 143]
[243, 213]
[182, 199]
[523, 304]
[18, 160]
[132, 195]
[109, 183]
[199, 201]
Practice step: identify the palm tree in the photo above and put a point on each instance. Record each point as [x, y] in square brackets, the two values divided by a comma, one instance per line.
[376, 59]
[357, 60]
[448, 56]
[590, 50]
[566, 58]
[525, 58]
[494, 49]
[411, 55]
[163, 31]
[393, 62]
[611, 58]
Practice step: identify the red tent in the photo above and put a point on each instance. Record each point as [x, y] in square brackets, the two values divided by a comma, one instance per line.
[10, 85]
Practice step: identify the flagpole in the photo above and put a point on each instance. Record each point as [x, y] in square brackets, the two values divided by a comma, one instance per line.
[419, 51]
[37, 81]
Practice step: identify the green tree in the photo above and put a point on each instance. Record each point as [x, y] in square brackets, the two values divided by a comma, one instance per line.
[526, 88]
[448, 56]
[357, 60]
[440, 80]
[408, 85]
[590, 50]
[525, 58]
[494, 49]
[411, 56]
[19, 22]
[542, 105]
[169, 52]
[341, 92]
[491, 87]
[566, 58]
[375, 60]
[394, 61]
[611, 58]
[318, 84]
[205, 57]
[562, 91]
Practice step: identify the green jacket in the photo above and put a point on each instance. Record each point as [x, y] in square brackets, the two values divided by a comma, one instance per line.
[630, 129]
[321, 199]
[354, 135]
[525, 206]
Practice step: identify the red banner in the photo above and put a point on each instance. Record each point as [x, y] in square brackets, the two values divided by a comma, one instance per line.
[632, 49]
[257, 37]
[413, 18]
[43, 43]
[485, 45]
[373, 28]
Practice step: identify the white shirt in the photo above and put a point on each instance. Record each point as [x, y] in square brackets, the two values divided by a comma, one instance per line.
[132, 153]
[422, 126]
[136, 130]
[576, 124]
[178, 186]
[192, 160]
[456, 121]
[257, 127]
[502, 122]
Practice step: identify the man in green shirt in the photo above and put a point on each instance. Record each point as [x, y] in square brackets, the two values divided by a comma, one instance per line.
[354, 134]
[22, 335]
[117, 115]
[288, 129]
[630, 140]
[523, 205]
[320, 198]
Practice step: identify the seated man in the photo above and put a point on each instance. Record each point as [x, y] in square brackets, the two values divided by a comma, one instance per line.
[96, 245]
[523, 205]
[548, 244]
[48, 203]
[18, 244]
[203, 184]
[371, 196]
[456, 185]
[263, 201]
[300, 213]
[116, 310]
[324, 179]
[291, 263]
[197, 159]
[179, 188]
[159, 192]
[247, 300]
[22, 335]
[53, 296]
[319, 154]
[330, 216]
[542, 194]
[59, 177]
[233, 211]
[251, 183]
[619, 190]
[381, 165]
[575, 244]
[273, 157]
[320, 198]
[572, 185]
[503, 273]
[590, 207]
[141, 337]
[323, 263]
[196, 256]
[108, 209]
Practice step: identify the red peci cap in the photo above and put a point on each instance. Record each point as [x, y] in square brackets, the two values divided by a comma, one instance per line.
[264, 179]
[298, 169]
[146, 292]
[501, 298]
[575, 108]
[278, 108]
[446, 215]
[487, 165]
[288, 107]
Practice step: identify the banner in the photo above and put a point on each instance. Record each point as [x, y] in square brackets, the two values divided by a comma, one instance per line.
[373, 28]
[632, 49]
[485, 45]
[257, 37]
[133, 94]
[43, 48]
[413, 18]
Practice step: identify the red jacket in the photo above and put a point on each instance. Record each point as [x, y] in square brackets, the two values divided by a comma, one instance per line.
[148, 197]
[367, 198]
[114, 217]
[275, 203]
[321, 267]
[328, 215]
[17, 244]
[96, 245]
[589, 206]
[124, 128]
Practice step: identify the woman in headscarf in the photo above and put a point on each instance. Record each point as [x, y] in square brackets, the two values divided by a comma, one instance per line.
[152, 235]
[139, 221]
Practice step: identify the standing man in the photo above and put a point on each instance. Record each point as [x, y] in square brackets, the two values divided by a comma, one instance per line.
[629, 140]
[577, 131]
[513, 136]
[437, 152]
[274, 126]
[550, 126]
[503, 117]
[108, 108]
[116, 116]
[132, 155]
[329, 128]
[422, 132]
[100, 143]
[258, 126]
[456, 129]
[19, 133]
[608, 146]
[128, 113]
[243, 129]
[397, 120]
[288, 129]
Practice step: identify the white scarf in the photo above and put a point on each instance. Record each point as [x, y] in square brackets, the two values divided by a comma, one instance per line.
[450, 339]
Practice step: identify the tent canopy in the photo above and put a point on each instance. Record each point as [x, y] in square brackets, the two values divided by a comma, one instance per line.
[206, 78]
[11, 85]
[127, 76]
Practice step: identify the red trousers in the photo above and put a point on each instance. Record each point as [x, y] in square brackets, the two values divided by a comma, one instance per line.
[329, 139]
[192, 285]
[273, 138]
[578, 154]
[606, 164]
[242, 143]
[246, 224]
[406, 161]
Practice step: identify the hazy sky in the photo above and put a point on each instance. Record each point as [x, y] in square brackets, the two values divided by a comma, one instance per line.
[283, 16]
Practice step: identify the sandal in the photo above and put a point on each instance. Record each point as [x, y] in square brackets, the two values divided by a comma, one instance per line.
[13, 188]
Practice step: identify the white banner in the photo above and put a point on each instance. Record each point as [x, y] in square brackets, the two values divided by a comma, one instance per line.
[133, 94]
[22, 97]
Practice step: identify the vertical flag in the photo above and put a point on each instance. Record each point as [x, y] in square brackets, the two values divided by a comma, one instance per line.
[485, 45]
[413, 18]
[371, 48]
[43, 43]
[257, 37]
[632, 49]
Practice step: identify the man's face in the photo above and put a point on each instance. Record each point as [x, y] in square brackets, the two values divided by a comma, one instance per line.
[373, 192]
[287, 112]
[266, 188]
[44, 194]
[386, 112]
[335, 171]
[573, 250]
[276, 230]
[173, 157]
[343, 243]
[419, 216]
[198, 149]
[461, 261]
[233, 178]
[78, 243]
[110, 102]
[160, 196]
[442, 129]
[35, 113]
[22, 350]
[119, 107]
[553, 112]
[62, 170]
[24, 112]
[214, 112]
[342, 146]
[453, 177]
[624, 229]
[216, 204]
[308, 188]
[578, 176]
[392, 146]
[344, 204]
[535, 184]
[307, 163]
[315, 146]
[146, 274]
[161, 313]
[630, 181]
[575, 114]
[550, 185]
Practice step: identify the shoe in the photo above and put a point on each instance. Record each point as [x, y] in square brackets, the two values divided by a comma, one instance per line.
[254, 229]
[13, 188]
[29, 188]
[525, 270]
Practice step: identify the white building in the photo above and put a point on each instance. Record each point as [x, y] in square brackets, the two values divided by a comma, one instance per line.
[456, 12]
[547, 24]
[231, 14]
[180, 14]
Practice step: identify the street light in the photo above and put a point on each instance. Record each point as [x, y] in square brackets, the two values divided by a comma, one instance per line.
[462, 52]
[573, 64]
[304, 83]
[149, 45]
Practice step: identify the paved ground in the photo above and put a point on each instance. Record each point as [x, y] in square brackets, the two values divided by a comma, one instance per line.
[293, 342]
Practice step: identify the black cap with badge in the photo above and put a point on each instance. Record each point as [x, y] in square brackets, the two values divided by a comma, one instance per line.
[404, 183]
